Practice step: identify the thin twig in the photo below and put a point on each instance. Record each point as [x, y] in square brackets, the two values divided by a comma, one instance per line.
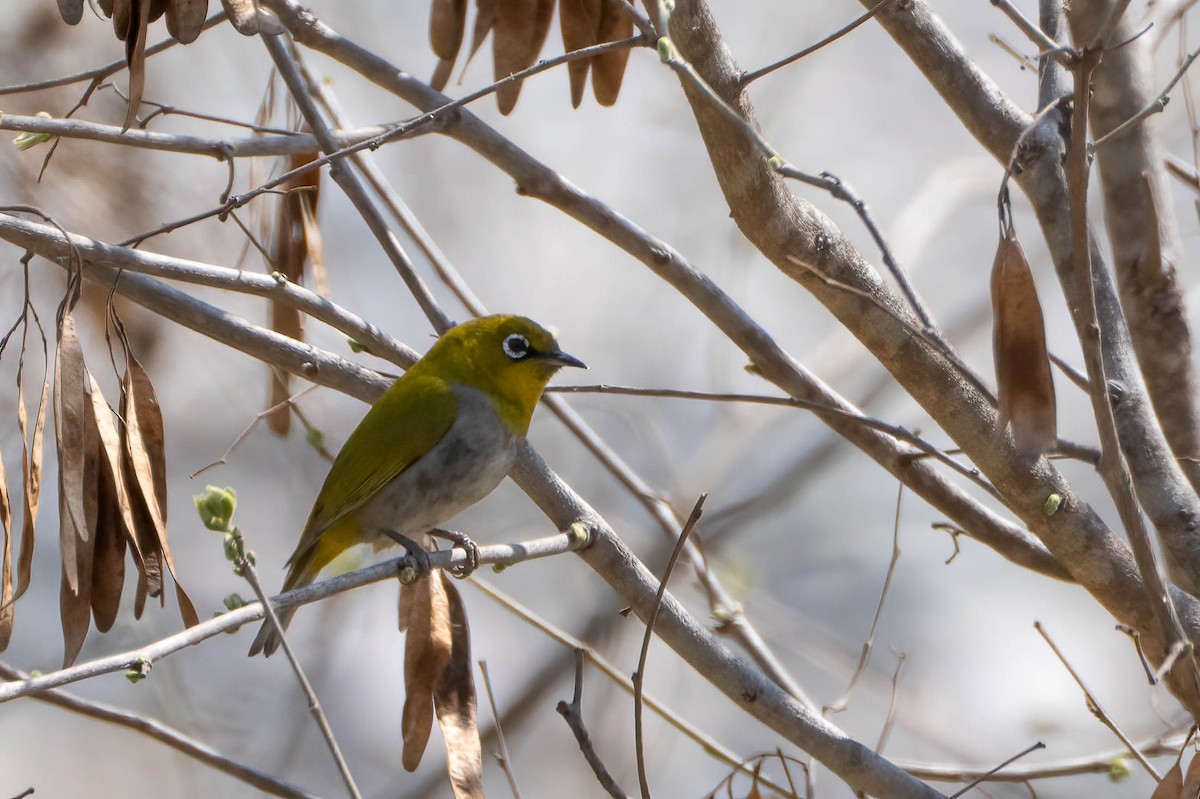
[1109, 27]
[244, 565]
[982, 778]
[1093, 704]
[1097, 763]
[504, 758]
[158, 731]
[1045, 44]
[572, 713]
[840, 190]
[221, 149]
[99, 73]
[843, 701]
[258, 417]
[1153, 107]
[896, 431]
[750, 77]
[890, 721]
[639, 676]
[1025, 61]
[1074, 375]
[618, 677]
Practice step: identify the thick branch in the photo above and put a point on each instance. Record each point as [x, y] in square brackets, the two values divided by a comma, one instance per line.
[1143, 234]
[1164, 492]
[785, 229]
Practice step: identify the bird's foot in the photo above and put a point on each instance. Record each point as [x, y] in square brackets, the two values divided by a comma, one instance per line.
[464, 542]
[420, 558]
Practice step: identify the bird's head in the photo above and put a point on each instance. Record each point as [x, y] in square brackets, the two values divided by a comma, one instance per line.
[510, 358]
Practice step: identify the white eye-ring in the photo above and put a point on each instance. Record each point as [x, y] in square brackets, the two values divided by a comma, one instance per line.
[516, 346]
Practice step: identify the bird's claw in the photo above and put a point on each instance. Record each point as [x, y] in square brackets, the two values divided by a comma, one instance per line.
[420, 558]
[469, 548]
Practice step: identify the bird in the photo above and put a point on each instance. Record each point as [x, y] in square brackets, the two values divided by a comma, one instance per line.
[439, 440]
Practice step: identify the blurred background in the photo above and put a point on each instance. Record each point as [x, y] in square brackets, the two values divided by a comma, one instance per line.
[799, 525]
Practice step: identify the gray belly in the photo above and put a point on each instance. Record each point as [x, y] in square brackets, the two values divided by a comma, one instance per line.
[466, 465]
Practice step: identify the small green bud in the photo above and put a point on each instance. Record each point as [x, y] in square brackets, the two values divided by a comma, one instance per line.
[138, 671]
[233, 547]
[234, 601]
[579, 533]
[1052, 504]
[1118, 769]
[498, 567]
[26, 141]
[666, 49]
[315, 438]
[355, 346]
[727, 614]
[216, 507]
[279, 277]
[776, 163]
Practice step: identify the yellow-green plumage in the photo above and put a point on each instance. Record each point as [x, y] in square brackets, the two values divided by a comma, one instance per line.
[440, 439]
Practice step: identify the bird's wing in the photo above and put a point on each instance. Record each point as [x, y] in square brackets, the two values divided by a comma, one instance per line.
[407, 422]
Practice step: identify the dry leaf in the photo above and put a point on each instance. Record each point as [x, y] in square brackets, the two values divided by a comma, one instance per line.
[1191, 780]
[31, 473]
[454, 699]
[69, 428]
[185, 19]
[427, 648]
[520, 30]
[1023, 378]
[579, 21]
[138, 27]
[145, 529]
[408, 601]
[114, 519]
[108, 563]
[441, 75]
[608, 69]
[122, 12]
[145, 459]
[71, 11]
[75, 601]
[1171, 786]
[7, 611]
[447, 22]
[296, 241]
[485, 20]
[314, 245]
[140, 594]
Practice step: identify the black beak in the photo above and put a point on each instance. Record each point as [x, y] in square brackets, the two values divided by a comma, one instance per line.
[560, 358]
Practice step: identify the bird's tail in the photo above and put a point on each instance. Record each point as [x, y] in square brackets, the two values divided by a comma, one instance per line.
[304, 570]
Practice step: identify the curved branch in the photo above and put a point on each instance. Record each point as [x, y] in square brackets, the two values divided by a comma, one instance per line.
[784, 228]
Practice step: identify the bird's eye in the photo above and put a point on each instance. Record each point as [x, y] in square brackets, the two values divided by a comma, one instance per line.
[516, 346]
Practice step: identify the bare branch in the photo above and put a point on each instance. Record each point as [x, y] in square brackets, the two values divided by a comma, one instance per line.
[162, 733]
[151, 653]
